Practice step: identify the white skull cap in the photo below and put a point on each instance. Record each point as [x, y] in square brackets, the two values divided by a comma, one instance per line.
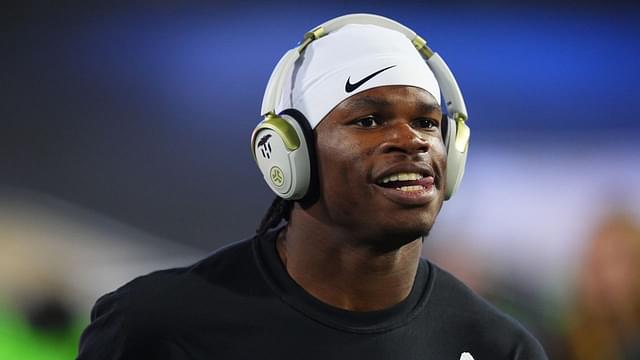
[343, 63]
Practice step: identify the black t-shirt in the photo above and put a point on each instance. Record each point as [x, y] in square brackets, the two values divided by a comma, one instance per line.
[240, 303]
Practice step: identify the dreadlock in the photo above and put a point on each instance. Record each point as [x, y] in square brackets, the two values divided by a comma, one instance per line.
[279, 210]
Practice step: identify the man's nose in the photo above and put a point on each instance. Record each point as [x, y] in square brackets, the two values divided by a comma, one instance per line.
[403, 137]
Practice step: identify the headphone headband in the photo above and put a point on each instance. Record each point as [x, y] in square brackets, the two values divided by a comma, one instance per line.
[366, 19]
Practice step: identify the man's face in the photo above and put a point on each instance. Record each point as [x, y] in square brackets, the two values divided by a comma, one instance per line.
[382, 162]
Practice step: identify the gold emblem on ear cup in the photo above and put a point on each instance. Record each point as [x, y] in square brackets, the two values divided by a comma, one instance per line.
[277, 176]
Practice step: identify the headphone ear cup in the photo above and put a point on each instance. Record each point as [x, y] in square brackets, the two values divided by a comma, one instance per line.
[456, 159]
[280, 150]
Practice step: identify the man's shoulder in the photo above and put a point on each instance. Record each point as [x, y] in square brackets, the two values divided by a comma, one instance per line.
[148, 308]
[461, 309]
[228, 270]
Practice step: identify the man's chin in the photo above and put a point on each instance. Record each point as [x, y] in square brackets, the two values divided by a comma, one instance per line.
[393, 238]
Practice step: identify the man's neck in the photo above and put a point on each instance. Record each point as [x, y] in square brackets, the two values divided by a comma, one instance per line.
[329, 265]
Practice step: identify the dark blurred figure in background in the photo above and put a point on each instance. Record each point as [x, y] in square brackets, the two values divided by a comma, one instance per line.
[604, 319]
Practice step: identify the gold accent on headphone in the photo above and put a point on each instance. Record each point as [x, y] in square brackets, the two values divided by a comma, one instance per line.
[463, 133]
[282, 128]
[309, 37]
[421, 46]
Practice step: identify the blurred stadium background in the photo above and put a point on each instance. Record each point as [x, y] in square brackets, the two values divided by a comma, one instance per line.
[124, 148]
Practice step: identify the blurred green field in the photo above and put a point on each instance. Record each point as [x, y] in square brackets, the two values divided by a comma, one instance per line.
[20, 340]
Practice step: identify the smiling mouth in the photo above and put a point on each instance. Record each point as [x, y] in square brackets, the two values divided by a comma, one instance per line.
[407, 182]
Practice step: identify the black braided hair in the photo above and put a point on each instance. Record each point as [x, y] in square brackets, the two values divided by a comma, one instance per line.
[279, 210]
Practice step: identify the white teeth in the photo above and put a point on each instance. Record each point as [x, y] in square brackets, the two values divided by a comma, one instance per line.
[401, 177]
[411, 188]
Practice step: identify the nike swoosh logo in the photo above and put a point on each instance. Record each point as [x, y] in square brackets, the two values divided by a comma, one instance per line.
[349, 87]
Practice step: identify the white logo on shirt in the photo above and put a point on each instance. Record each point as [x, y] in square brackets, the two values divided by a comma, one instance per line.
[466, 356]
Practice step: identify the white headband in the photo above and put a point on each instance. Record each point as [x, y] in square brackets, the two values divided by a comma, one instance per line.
[348, 61]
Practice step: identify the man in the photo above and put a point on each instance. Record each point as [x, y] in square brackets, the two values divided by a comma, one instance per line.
[356, 147]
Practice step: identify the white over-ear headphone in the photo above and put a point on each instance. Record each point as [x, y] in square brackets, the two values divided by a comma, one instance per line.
[282, 143]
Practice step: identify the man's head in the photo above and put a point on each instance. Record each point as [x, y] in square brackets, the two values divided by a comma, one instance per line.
[374, 107]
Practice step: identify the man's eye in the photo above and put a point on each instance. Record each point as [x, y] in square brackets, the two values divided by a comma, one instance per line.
[425, 123]
[368, 122]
